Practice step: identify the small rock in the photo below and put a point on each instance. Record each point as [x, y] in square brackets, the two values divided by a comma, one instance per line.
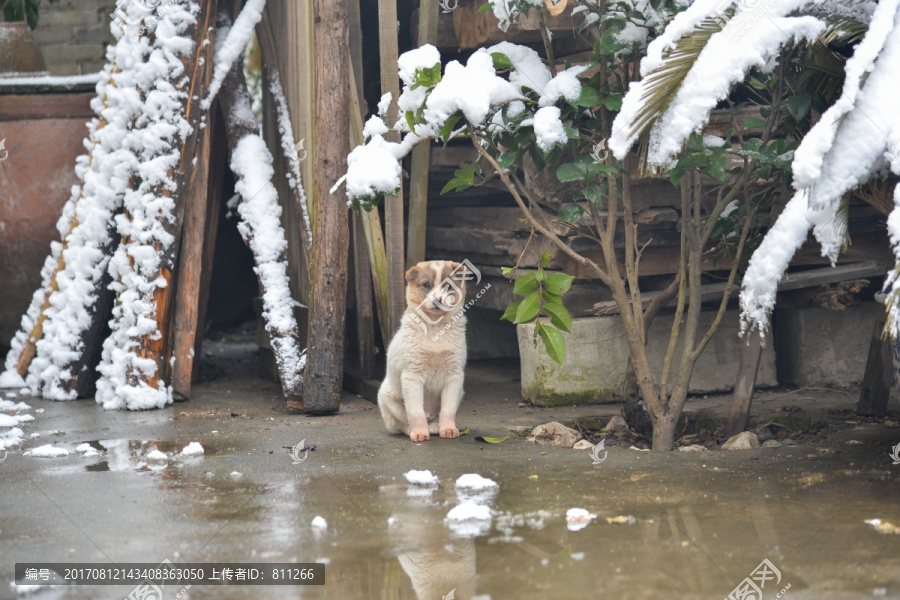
[555, 434]
[772, 444]
[742, 441]
[639, 449]
[764, 434]
[692, 448]
[788, 442]
[615, 424]
[582, 445]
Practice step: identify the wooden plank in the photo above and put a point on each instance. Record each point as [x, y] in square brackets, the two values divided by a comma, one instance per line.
[190, 271]
[393, 205]
[744, 384]
[505, 246]
[875, 390]
[362, 269]
[791, 281]
[218, 163]
[421, 155]
[49, 106]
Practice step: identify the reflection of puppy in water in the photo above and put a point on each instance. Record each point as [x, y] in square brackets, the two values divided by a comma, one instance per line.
[426, 359]
[439, 569]
[436, 565]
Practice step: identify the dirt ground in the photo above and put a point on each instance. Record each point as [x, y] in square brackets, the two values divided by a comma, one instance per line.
[665, 525]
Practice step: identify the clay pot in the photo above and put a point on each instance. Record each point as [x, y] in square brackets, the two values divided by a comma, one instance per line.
[19, 53]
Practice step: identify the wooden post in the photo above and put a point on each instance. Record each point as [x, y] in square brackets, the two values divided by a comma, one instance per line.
[362, 280]
[421, 155]
[743, 385]
[328, 272]
[879, 375]
[393, 205]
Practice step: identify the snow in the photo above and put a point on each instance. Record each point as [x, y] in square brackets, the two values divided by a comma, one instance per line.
[319, 523]
[11, 437]
[13, 420]
[10, 405]
[578, 518]
[420, 58]
[469, 520]
[373, 168]
[548, 129]
[374, 126]
[47, 451]
[239, 35]
[529, 71]
[52, 80]
[286, 131]
[87, 450]
[507, 11]
[742, 44]
[474, 481]
[564, 85]
[770, 261]
[421, 478]
[469, 510]
[192, 449]
[159, 455]
[261, 228]
[11, 379]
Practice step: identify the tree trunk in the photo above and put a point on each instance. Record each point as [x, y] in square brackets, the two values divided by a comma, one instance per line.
[328, 273]
[664, 432]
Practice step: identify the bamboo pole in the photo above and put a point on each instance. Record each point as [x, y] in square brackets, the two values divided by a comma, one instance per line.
[393, 205]
[421, 155]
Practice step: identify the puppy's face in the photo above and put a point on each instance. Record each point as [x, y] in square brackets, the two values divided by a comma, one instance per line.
[436, 287]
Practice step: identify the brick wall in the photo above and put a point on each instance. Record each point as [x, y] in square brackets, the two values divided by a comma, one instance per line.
[73, 35]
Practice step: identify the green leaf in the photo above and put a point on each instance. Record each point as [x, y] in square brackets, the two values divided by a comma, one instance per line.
[607, 44]
[510, 313]
[447, 128]
[491, 440]
[410, 121]
[525, 284]
[799, 105]
[558, 283]
[613, 102]
[553, 342]
[545, 258]
[598, 170]
[465, 431]
[559, 316]
[570, 172]
[529, 308]
[589, 97]
[570, 213]
[757, 84]
[506, 160]
[501, 61]
[550, 298]
[754, 123]
[507, 270]
[482, 8]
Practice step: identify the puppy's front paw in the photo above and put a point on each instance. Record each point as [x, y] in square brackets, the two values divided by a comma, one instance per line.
[449, 432]
[419, 436]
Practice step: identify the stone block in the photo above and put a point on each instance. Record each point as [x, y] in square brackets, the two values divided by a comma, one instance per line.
[818, 347]
[597, 355]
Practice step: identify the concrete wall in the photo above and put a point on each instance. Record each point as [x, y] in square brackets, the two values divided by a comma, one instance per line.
[818, 347]
[597, 354]
[73, 35]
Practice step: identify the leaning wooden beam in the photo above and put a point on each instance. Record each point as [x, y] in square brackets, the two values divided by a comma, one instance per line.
[328, 273]
[286, 131]
[251, 163]
[75, 304]
[158, 151]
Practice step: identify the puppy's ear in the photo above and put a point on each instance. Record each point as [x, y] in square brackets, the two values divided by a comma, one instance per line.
[412, 273]
[460, 272]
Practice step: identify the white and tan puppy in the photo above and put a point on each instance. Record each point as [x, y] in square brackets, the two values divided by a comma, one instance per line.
[426, 360]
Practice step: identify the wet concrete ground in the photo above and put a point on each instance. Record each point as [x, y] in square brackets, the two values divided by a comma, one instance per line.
[701, 522]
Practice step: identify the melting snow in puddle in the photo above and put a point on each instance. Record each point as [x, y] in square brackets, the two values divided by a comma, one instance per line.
[319, 523]
[192, 449]
[421, 478]
[472, 487]
[469, 519]
[47, 451]
[578, 518]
